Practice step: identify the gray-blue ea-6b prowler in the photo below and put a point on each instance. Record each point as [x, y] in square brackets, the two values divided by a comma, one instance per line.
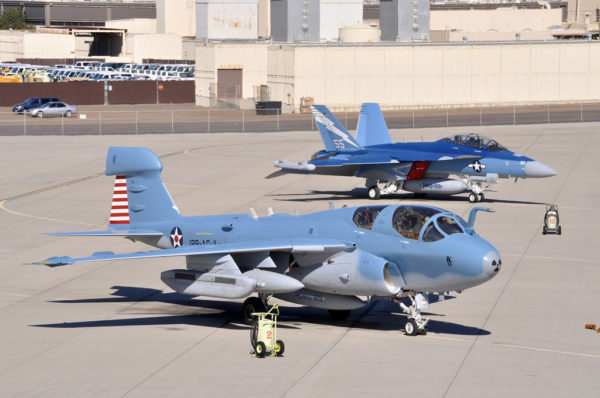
[335, 259]
[473, 160]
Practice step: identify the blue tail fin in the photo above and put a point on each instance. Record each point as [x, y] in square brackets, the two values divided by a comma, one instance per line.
[371, 129]
[139, 194]
[334, 134]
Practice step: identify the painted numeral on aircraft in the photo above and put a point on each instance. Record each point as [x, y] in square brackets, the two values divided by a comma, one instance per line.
[339, 144]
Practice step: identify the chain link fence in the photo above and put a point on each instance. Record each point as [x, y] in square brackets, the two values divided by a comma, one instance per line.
[212, 120]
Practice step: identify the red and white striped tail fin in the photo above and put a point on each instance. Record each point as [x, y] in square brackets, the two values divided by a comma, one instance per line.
[119, 211]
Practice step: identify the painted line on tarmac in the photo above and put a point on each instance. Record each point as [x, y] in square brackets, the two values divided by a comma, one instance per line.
[520, 347]
[577, 260]
[2, 207]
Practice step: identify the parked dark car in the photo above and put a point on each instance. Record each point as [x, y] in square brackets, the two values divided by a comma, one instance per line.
[32, 103]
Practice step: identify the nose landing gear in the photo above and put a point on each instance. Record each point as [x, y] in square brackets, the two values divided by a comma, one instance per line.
[415, 324]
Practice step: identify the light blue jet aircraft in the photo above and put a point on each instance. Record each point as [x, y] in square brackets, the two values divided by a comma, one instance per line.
[419, 167]
[331, 259]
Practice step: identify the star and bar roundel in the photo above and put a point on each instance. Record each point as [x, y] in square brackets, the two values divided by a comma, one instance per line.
[477, 166]
[176, 237]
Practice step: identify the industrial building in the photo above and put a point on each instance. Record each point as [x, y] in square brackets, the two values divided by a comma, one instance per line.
[339, 52]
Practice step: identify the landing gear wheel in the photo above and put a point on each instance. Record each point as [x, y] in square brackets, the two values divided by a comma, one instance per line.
[472, 197]
[374, 193]
[480, 197]
[279, 348]
[339, 315]
[410, 327]
[254, 333]
[260, 349]
[252, 304]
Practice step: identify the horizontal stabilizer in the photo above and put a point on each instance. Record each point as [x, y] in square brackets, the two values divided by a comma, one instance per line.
[294, 166]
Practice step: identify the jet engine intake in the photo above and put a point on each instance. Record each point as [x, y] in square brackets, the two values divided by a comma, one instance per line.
[356, 273]
[435, 185]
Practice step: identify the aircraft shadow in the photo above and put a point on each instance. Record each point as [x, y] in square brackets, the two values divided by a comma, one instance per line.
[361, 194]
[380, 315]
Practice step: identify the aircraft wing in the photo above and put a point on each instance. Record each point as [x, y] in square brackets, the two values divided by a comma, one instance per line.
[308, 249]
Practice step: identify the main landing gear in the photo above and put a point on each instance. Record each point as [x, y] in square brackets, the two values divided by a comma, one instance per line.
[415, 324]
[476, 197]
[251, 305]
[374, 192]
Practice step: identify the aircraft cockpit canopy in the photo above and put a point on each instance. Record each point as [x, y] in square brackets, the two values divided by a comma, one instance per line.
[364, 217]
[473, 140]
[409, 221]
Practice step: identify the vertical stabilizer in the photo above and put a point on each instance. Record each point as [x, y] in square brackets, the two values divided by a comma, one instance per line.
[334, 134]
[139, 194]
[119, 211]
[371, 129]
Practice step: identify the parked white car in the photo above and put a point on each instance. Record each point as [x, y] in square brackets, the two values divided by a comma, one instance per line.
[54, 109]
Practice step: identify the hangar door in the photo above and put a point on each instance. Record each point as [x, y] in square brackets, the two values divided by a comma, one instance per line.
[229, 84]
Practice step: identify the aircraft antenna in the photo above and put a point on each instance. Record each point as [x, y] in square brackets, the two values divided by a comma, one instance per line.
[253, 213]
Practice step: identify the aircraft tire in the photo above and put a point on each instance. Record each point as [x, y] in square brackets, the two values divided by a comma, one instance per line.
[480, 197]
[410, 327]
[339, 315]
[279, 348]
[252, 304]
[254, 333]
[374, 193]
[260, 349]
[472, 197]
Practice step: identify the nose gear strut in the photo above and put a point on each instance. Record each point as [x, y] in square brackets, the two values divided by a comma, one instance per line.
[415, 324]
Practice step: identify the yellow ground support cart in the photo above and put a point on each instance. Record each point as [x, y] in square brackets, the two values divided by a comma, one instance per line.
[263, 333]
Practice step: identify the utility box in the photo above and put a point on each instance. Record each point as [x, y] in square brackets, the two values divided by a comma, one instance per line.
[268, 108]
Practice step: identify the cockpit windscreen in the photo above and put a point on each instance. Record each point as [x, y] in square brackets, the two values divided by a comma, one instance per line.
[364, 217]
[409, 220]
[473, 140]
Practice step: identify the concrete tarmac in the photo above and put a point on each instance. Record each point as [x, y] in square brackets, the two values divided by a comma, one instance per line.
[112, 329]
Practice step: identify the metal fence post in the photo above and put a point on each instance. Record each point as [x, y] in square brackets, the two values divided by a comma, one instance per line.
[172, 122]
[413, 117]
[136, 122]
[514, 113]
[208, 120]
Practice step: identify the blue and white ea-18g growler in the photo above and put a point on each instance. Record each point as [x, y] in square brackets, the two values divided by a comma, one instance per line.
[335, 259]
[419, 167]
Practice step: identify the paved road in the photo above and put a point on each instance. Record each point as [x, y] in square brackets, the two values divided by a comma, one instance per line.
[114, 330]
[190, 119]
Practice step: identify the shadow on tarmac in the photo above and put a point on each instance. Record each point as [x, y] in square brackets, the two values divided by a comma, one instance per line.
[361, 194]
[382, 315]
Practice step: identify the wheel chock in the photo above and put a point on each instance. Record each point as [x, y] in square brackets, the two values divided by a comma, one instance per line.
[590, 326]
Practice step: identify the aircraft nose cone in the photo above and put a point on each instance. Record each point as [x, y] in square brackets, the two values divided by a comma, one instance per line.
[535, 169]
[492, 263]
